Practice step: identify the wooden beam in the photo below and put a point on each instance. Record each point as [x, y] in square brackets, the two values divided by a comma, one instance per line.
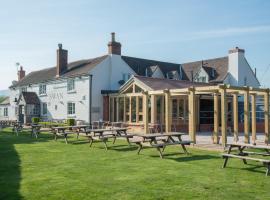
[216, 119]
[253, 112]
[224, 110]
[266, 117]
[168, 114]
[145, 112]
[153, 109]
[156, 92]
[246, 116]
[192, 115]
[235, 117]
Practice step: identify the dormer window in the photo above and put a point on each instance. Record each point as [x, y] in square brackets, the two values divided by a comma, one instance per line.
[42, 89]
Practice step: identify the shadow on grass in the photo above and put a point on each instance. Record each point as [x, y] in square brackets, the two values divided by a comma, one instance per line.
[10, 170]
[250, 167]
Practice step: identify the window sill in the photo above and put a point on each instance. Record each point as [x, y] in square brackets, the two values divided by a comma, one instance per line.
[71, 116]
[42, 95]
[71, 91]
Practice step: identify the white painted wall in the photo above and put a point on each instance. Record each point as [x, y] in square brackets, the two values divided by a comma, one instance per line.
[158, 73]
[201, 73]
[238, 69]
[106, 76]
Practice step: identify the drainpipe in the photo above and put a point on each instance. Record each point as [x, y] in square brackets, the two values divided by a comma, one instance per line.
[90, 98]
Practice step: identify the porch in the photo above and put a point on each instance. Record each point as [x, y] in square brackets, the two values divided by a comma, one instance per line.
[158, 105]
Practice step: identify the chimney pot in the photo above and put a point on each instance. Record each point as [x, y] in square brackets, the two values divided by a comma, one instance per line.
[236, 50]
[113, 46]
[113, 36]
[60, 46]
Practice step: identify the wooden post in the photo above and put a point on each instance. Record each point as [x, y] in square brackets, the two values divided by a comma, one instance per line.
[216, 119]
[145, 112]
[153, 109]
[224, 110]
[162, 110]
[192, 116]
[246, 116]
[266, 117]
[130, 110]
[168, 114]
[177, 110]
[117, 109]
[235, 117]
[137, 109]
[124, 110]
[253, 111]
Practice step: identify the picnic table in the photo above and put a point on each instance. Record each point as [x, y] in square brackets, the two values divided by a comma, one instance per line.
[103, 135]
[17, 127]
[160, 141]
[61, 131]
[35, 130]
[243, 152]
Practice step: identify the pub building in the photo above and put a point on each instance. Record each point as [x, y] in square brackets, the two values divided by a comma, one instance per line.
[93, 89]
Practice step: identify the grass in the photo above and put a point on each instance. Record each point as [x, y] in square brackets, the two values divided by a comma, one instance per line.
[44, 169]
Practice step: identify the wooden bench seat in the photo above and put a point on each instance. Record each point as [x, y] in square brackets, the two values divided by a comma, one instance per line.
[265, 162]
[171, 143]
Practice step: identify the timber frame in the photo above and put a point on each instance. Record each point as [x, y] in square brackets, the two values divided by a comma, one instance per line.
[142, 100]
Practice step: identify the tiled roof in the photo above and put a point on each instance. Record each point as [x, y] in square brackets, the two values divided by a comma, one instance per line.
[139, 65]
[162, 84]
[30, 98]
[220, 66]
[74, 68]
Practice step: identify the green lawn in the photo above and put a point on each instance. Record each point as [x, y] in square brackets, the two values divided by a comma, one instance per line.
[44, 169]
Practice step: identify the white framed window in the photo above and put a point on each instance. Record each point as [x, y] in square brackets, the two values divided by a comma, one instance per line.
[71, 108]
[42, 89]
[1, 114]
[5, 112]
[44, 109]
[70, 85]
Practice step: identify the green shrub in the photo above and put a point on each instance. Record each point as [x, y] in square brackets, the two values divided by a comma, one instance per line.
[70, 122]
[35, 120]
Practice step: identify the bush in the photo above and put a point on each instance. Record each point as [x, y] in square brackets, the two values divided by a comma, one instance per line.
[70, 122]
[35, 120]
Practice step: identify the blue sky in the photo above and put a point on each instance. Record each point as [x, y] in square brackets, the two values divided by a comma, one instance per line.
[175, 31]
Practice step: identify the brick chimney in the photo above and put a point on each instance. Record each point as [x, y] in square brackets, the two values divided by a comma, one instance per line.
[113, 46]
[21, 74]
[62, 60]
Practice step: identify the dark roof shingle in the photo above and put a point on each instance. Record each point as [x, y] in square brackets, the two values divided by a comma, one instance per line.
[73, 68]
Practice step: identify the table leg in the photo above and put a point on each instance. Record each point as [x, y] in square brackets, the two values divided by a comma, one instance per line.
[65, 135]
[226, 158]
[160, 153]
[183, 146]
[267, 169]
[140, 147]
[90, 140]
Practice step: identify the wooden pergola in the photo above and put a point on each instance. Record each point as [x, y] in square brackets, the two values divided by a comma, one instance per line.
[146, 103]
